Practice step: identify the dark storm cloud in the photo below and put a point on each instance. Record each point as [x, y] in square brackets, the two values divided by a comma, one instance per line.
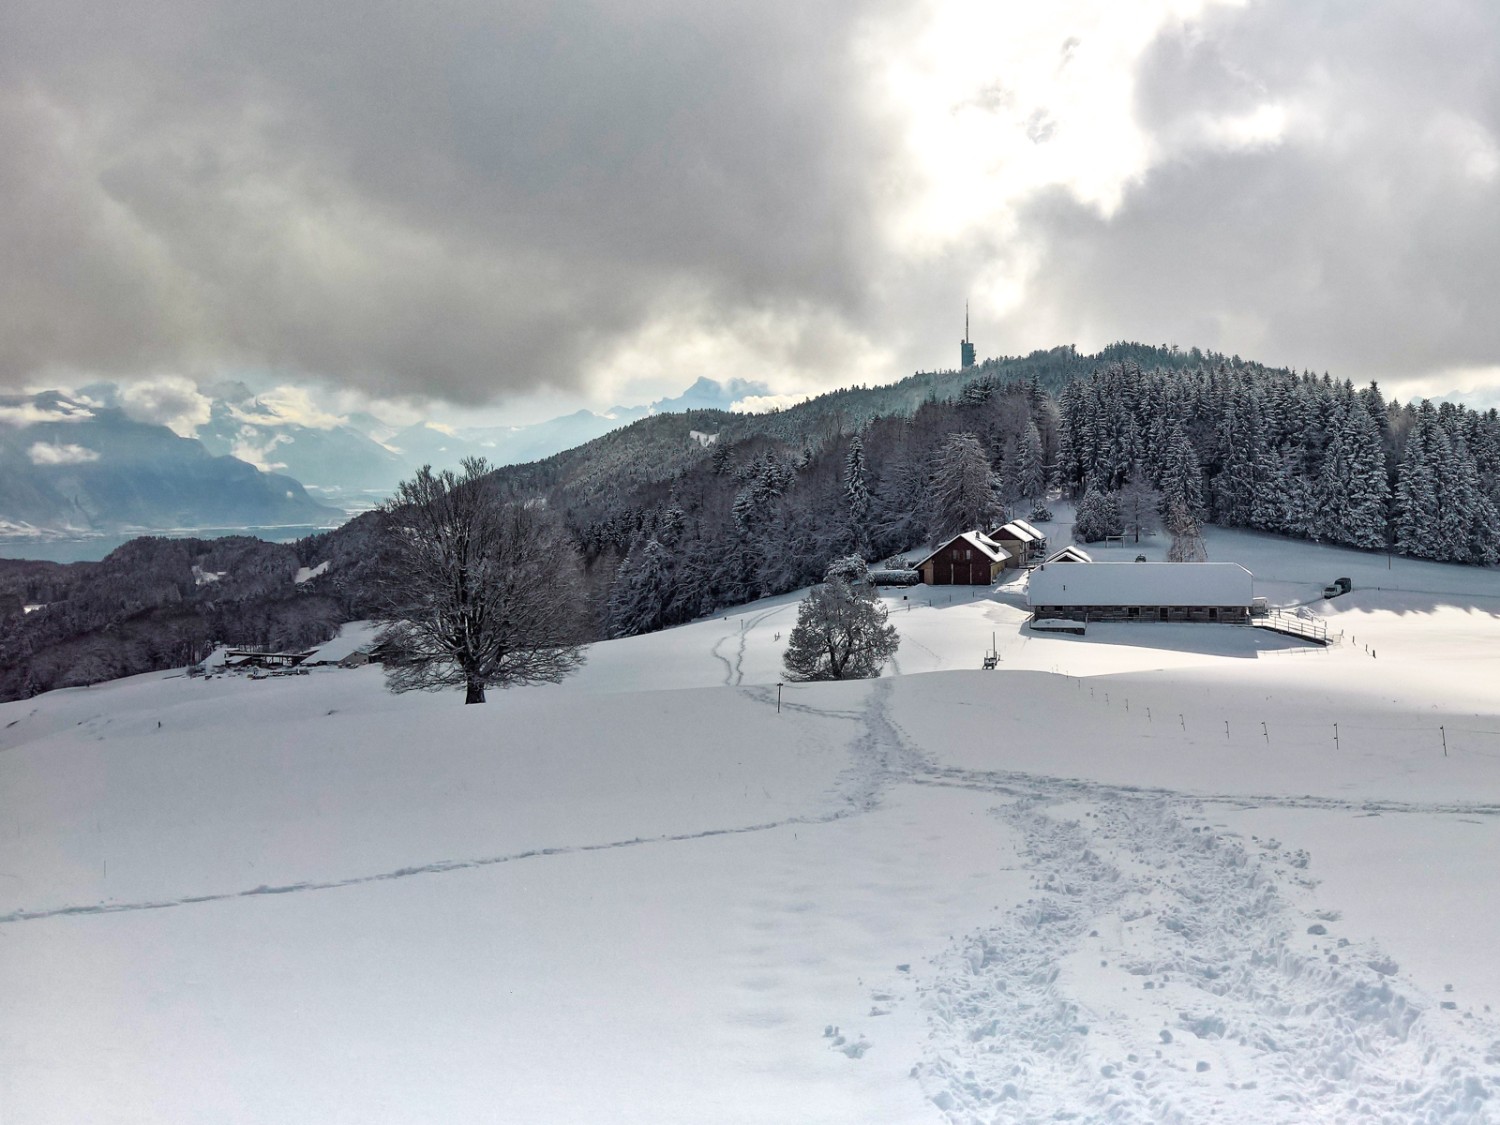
[457, 199]
[1366, 241]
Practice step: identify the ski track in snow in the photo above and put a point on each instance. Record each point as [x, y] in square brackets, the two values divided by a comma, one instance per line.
[724, 660]
[1229, 1004]
[734, 670]
[435, 868]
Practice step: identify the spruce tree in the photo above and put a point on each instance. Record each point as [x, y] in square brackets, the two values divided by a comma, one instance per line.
[1330, 493]
[1367, 490]
[856, 492]
[1031, 474]
[1098, 517]
[1417, 491]
[1181, 479]
[638, 602]
[961, 493]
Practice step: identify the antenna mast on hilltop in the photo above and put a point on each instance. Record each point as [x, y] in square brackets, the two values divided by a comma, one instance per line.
[965, 348]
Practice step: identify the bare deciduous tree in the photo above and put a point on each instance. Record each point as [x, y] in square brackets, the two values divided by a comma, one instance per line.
[1138, 503]
[481, 590]
[1187, 537]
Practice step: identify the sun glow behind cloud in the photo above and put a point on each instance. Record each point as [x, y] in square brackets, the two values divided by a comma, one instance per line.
[999, 101]
[800, 195]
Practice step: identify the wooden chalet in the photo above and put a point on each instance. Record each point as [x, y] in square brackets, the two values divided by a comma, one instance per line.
[1023, 541]
[970, 558]
[1142, 591]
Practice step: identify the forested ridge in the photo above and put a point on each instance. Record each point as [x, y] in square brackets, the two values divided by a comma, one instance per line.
[680, 515]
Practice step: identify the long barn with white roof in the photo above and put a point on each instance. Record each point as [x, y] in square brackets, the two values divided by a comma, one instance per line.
[1142, 591]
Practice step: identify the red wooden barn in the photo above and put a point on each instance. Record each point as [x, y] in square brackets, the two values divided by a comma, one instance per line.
[970, 558]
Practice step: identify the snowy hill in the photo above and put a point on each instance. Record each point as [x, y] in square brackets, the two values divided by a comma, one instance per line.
[1127, 876]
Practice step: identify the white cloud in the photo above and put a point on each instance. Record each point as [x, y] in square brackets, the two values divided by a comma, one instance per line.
[30, 414]
[287, 404]
[996, 102]
[251, 446]
[764, 404]
[42, 453]
[1478, 387]
[167, 400]
[1262, 126]
[794, 348]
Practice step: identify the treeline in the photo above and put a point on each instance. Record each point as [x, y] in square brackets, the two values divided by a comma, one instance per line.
[155, 603]
[1300, 455]
[763, 516]
[1220, 441]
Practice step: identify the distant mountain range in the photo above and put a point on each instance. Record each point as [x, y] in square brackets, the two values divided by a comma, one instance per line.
[82, 465]
[73, 467]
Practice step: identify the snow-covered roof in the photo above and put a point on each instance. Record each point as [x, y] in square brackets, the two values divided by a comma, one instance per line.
[1024, 526]
[1020, 531]
[977, 539]
[308, 573]
[1146, 583]
[1072, 552]
[355, 635]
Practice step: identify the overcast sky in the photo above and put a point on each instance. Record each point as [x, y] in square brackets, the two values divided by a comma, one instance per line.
[540, 204]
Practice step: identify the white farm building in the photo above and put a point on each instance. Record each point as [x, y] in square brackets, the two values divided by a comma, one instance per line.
[1141, 591]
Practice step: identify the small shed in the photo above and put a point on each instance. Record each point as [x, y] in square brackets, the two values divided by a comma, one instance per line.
[970, 558]
[1071, 554]
[1151, 591]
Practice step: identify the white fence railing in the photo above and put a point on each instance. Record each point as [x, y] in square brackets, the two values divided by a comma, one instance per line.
[1300, 624]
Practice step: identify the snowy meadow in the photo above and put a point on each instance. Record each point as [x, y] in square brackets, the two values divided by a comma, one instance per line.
[1155, 873]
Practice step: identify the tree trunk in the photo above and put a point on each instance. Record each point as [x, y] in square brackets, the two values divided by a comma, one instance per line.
[475, 693]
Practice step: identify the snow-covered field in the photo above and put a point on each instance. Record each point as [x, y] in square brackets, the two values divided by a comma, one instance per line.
[1131, 876]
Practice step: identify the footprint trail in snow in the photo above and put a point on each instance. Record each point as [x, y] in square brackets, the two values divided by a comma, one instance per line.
[1160, 973]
